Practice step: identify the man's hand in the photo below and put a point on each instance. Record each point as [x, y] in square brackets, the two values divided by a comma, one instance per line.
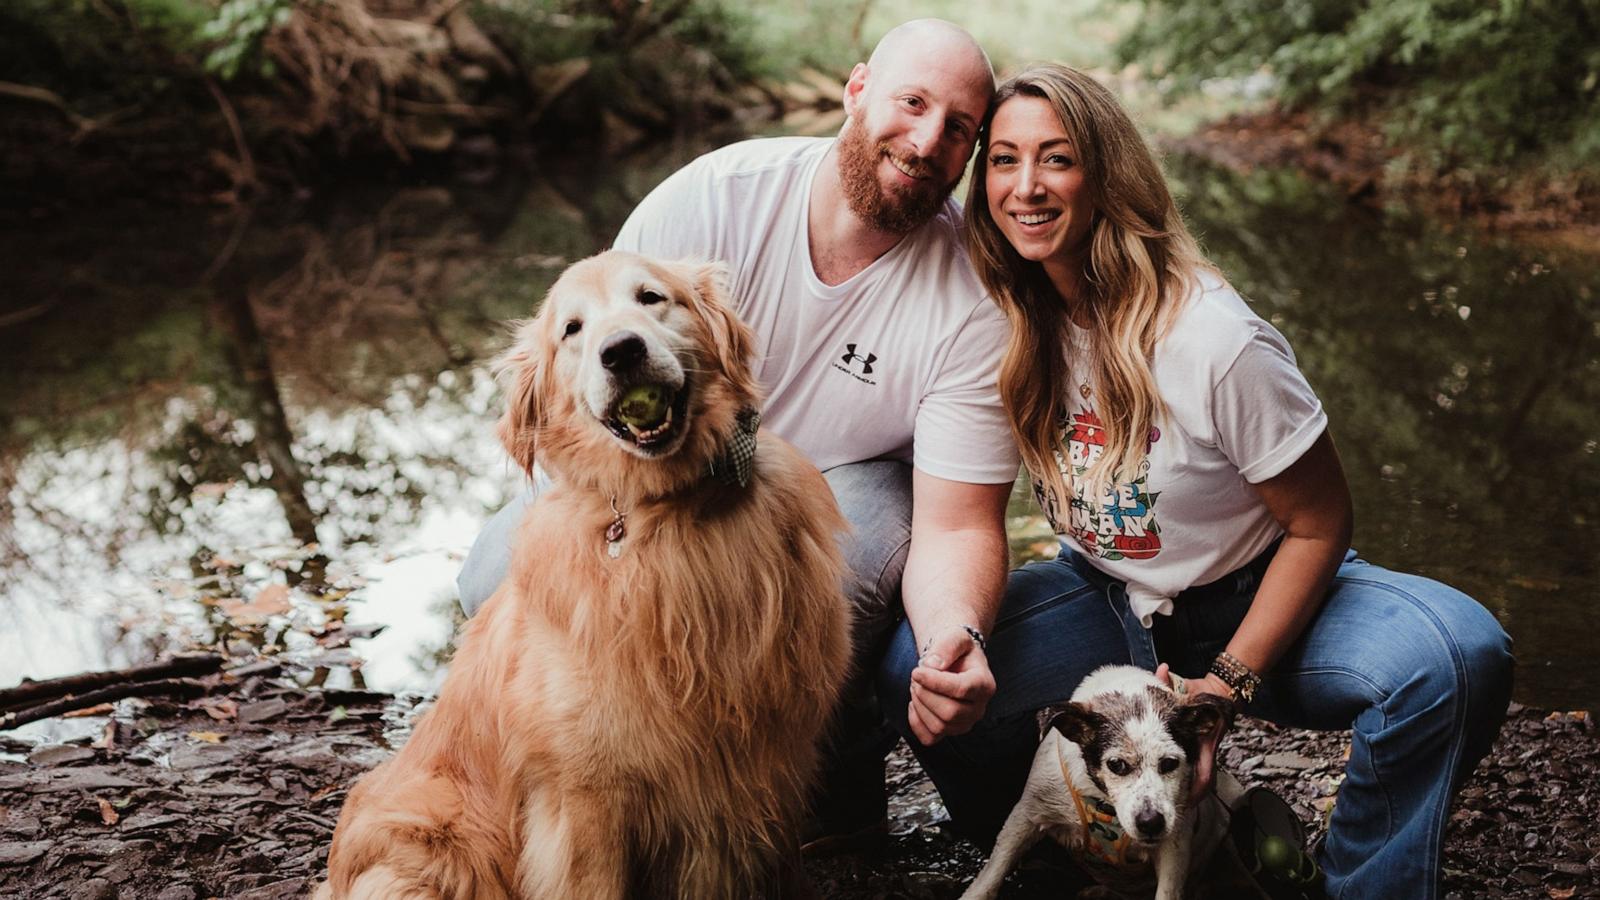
[950, 687]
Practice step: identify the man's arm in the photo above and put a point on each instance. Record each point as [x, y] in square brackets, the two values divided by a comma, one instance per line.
[954, 576]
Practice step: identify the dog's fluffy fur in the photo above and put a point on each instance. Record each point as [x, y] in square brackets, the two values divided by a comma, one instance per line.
[637, 726]
[1128, 740]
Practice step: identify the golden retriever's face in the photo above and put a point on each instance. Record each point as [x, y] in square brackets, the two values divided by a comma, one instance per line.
[626, 352]
[624, 335]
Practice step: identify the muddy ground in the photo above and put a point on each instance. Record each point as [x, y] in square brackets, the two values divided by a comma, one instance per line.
[236, 794]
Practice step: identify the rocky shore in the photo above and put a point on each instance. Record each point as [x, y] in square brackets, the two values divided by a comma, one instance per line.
[235, 794]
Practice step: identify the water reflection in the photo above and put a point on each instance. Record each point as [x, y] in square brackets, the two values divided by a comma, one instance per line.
[1459, 371]
[250, 433]
[271, 433]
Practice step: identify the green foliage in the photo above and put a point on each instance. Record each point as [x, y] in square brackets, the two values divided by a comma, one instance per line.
[771, 40]
[120, 50]
[237, 31]
[1466, 81]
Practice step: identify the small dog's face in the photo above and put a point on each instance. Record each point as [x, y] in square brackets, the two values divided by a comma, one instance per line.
[1140, 749]
[626, 352]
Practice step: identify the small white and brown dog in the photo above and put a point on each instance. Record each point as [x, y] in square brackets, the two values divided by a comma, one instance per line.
[1113, 781]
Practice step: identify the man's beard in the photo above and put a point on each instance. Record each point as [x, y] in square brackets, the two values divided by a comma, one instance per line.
[896, 211]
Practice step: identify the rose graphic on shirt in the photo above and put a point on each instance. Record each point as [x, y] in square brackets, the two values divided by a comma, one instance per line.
[1122, 524]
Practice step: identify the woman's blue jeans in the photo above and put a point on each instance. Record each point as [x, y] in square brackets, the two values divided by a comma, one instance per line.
[1419, 671]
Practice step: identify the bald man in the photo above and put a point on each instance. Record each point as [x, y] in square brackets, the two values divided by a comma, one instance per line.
[878, 350]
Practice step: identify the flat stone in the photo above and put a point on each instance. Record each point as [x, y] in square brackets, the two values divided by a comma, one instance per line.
[277, 890]
[1287, 761]
[178, 892]
[21, 826]
[95, 889]
[262, 711]
[60, 754]
[17, 853]
[87, 778]
[147, 821]
[21, 780]
[187, 757]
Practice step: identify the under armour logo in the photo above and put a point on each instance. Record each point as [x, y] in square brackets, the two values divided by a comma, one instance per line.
[866, 361]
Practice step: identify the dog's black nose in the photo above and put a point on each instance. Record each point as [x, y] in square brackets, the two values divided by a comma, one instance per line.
[622, 351]
[1150, 823]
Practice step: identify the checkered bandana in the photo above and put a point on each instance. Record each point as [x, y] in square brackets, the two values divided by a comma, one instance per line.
[738, 458]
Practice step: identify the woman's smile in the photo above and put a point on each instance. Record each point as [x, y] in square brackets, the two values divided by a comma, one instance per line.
[1035, 186]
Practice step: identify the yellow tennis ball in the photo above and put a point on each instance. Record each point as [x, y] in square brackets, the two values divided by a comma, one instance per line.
[644, 406]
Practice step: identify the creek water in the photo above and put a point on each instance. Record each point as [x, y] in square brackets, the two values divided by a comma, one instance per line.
[232, 428]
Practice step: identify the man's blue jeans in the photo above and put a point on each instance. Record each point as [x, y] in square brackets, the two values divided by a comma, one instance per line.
[1420, 671]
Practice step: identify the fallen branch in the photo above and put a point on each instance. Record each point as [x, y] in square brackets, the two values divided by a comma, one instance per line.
[178, 687]
[30, 693]
[48, 98]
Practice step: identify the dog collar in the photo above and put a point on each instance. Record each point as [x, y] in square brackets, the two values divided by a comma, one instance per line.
[1104, 841]
[738, 457]
[733, 467]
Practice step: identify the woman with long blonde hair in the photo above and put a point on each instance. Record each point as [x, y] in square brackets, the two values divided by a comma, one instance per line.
[1186, 466]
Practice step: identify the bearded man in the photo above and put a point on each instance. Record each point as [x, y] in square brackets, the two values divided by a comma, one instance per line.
[879, 351]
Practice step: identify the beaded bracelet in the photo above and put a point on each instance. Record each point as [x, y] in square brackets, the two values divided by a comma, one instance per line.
[1237, 676]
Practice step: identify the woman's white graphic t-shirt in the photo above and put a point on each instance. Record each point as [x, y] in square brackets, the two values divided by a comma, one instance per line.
[1239, 412]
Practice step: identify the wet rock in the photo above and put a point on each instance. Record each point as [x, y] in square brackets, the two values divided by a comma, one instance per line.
[263, 711]
[94, 889]
[189, 757]
[60, 755]
[1287, 761]
[88, 778]
[277, 890]
[15, 853]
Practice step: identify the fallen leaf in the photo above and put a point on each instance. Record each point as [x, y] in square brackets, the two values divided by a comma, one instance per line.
[272, 600]
[210, 737]
[1556, 893]
[220, 708]
[107, 814]
[103, 709]
[212, 489]
[323, 792]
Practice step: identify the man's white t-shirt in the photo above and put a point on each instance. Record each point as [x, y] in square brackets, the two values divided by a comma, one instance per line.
[1239, 412]
[899, 362]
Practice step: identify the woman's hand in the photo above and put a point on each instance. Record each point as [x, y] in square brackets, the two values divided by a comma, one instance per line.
[1210, 684]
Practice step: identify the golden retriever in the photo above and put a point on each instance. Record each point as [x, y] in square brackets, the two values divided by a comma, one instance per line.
[635, 712]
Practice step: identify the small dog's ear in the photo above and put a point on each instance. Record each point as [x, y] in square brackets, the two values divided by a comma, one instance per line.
[1077, 723]
[1197, 724]
[1205, 716]
[518, 370]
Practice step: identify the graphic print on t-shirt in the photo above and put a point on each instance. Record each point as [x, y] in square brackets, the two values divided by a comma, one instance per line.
[1123, 524]
[857, 364]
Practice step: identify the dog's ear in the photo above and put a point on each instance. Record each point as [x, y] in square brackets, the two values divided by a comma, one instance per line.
[731, 342]
[519, 372]
[1077, 723]
[1204, 717]
[1197, 724]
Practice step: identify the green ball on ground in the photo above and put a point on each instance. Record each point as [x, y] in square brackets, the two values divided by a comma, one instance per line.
[1277, 855]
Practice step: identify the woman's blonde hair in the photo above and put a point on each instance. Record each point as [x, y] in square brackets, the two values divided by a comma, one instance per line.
[1140, 266]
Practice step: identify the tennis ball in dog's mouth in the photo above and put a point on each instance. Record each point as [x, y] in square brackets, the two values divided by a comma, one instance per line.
[644, 406]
